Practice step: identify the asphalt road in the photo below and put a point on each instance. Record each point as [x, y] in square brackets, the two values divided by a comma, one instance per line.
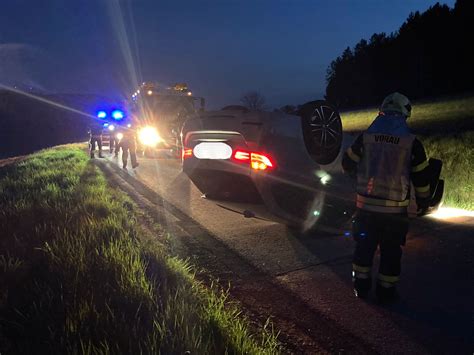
[435, 314]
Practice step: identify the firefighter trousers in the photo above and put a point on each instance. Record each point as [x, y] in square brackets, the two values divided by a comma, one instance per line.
[383, 230]
[93, 141]
[129, 148]
[114, 145]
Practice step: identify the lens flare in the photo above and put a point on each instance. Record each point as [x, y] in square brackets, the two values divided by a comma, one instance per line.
[124, 26]
[323, 176]
[42, 99]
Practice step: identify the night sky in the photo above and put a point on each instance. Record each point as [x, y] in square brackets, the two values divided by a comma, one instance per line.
[221, 48]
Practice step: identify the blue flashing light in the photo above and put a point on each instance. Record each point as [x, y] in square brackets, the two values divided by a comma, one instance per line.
[117, 114]
[102, 114]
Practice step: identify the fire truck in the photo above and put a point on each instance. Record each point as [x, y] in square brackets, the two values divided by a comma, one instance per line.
[159, 113]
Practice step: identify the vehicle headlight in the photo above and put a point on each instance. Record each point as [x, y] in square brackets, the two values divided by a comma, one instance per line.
[119, 136]
[111, 127]
[149, 136]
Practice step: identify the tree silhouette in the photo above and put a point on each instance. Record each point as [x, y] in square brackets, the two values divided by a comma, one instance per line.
[431, 54]
[253, 100]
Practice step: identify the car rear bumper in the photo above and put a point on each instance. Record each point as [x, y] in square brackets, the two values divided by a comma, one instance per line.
[306, 203]
[269, 194]
[222, 179]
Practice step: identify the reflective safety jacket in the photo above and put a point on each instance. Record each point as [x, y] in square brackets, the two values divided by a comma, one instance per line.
[385, 159]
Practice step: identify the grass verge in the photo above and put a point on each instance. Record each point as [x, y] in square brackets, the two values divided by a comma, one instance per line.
[76, 278]
[457, 153]
[447, 131]
[455, 115]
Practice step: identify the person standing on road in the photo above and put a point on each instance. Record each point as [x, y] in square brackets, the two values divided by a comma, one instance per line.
[114, 142]
[385, 158]
[128, 143]
[95, 134]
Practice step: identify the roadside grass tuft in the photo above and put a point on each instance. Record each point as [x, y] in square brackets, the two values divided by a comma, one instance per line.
[457, 153]
[76, 278]
[446, 129]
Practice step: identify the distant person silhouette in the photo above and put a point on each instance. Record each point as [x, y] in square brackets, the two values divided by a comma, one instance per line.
[95, 134]
[128, 143]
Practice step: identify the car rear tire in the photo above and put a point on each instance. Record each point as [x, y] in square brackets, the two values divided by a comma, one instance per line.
[322, 130]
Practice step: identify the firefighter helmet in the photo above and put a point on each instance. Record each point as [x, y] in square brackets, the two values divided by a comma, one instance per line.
[398, 103]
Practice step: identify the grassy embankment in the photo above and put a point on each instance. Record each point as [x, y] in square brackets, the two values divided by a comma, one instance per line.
[75, 276]
[446, 128]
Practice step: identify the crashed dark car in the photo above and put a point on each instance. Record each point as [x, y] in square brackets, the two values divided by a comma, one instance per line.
[277, 166]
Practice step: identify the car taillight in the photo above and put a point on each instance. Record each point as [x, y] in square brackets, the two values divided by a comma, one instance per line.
[241, 155]
[260, 161]
[187, 153]
[257, 161]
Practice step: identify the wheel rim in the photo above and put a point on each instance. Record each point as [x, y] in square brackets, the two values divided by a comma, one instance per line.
[325, 127]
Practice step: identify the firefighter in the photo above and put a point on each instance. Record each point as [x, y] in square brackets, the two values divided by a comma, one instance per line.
[114, 143]
[384, 159]
[128, 143]
[115, 139]
[95, 133]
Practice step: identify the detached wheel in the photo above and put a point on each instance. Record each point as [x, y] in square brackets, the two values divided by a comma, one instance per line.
[322, 130]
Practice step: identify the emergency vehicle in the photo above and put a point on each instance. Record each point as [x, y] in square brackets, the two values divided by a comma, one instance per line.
[113, 119]
[159, 112]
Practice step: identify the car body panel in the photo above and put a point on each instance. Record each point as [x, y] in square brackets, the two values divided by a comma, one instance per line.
[292, 192]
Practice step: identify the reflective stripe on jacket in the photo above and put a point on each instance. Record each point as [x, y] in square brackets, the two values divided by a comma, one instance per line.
[381, 205]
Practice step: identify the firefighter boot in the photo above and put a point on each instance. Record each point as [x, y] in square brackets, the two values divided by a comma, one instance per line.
[92, 155]
[386, 295]
[362, 287]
